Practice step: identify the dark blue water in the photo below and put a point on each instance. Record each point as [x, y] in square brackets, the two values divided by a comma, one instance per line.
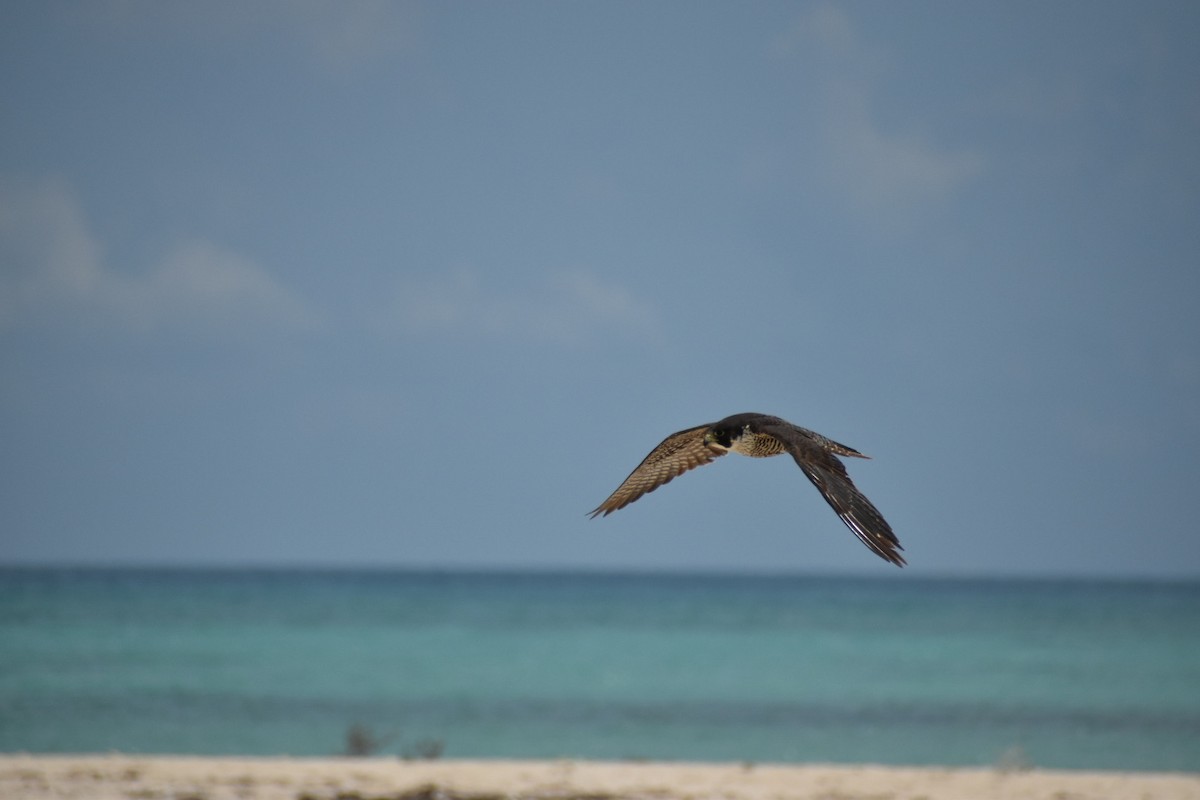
[902, 671]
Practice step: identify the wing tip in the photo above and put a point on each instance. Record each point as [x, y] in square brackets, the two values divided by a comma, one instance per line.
[604, 509]
[886, 547]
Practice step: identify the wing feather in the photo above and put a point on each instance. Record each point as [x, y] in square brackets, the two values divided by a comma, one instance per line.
[828, 474]
[674, 456]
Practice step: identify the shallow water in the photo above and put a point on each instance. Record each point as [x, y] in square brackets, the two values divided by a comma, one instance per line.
[1064, 674]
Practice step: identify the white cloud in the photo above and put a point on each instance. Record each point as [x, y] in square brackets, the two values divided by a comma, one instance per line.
[888, 173]
[54, 270]
[565, 307]
[344, 34]
[888, 176]
[827, 28]
[337, 35]
[209, 285]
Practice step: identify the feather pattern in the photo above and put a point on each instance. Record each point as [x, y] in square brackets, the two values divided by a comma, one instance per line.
[815, 457]
[674, 456]
[761, 435]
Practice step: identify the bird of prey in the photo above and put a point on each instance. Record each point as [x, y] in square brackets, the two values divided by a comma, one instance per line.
[760, 436]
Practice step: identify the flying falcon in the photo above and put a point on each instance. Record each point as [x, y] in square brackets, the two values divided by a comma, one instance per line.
[759, 436]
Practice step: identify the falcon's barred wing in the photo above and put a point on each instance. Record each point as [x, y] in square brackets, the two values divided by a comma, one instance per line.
[678, 453]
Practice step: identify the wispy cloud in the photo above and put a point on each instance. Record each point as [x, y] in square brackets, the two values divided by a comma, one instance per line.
[55, 270]
[564, 307]
[345, 34]
[208, 285]
[888, 173]
[885, 174]
[337, 35]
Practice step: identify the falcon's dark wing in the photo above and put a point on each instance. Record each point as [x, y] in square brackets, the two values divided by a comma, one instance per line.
[678, 453]
[828, 474]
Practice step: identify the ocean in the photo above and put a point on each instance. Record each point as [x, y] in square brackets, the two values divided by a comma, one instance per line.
[1014, 673]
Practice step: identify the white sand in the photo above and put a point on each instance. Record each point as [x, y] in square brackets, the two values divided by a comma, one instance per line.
[26, 777]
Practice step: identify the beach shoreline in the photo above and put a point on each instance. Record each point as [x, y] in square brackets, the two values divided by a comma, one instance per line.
[148, 777]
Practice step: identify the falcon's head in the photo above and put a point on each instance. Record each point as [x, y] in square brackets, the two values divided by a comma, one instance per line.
[721, 437]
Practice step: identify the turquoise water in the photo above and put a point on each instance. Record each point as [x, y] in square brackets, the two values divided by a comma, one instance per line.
[893, 670]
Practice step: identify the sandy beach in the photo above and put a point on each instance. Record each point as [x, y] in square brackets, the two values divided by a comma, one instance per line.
[108, 777]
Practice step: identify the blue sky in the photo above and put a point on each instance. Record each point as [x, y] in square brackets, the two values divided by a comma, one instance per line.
[419, 284]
